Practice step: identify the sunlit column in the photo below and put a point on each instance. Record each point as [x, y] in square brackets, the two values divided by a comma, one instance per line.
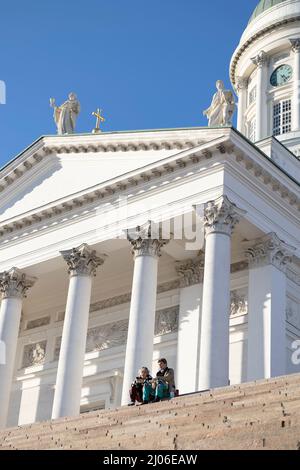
[261, 61]
[242, 84]
[139, 350]
[220, 218]
[13, 287]
[268, 258]
[82, 263]
[189, 324]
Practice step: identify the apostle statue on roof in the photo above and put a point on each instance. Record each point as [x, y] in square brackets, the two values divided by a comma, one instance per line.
[221, 110]
[65, 116]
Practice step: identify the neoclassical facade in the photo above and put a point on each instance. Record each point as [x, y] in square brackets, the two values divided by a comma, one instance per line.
[119, 248]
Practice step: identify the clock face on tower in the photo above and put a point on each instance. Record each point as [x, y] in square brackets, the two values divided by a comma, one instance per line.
[281, 75]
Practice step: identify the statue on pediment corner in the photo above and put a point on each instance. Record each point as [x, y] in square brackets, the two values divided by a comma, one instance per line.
[221, 110]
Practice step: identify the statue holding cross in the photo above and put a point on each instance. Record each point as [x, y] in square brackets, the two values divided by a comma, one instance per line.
[99, 120]
[65, 115]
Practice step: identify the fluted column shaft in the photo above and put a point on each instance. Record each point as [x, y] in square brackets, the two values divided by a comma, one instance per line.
[139, 348]
[220, 217]
[13, 287]
[82, 263]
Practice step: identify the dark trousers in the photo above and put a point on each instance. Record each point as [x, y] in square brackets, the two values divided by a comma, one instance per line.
[136, 393]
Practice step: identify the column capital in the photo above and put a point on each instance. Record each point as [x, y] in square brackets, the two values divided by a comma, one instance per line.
[270, 250]
[82, 261]
[221, 216]
[295, 43]
[190, 271]
[15, 284]
[260, 59]
[146, 240]
[241, 83]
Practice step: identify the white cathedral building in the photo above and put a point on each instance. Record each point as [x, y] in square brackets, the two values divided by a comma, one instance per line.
[85, 303]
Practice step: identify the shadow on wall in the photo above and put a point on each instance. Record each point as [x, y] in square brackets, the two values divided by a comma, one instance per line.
[25, 185]
[31, 404]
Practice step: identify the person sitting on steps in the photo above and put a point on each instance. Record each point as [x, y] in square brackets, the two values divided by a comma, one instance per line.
[163, 386]
[137, 389]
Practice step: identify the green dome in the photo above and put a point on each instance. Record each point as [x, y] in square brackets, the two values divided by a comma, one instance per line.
[263, 6]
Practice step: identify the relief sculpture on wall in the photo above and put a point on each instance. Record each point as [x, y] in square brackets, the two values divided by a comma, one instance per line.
[34, 354]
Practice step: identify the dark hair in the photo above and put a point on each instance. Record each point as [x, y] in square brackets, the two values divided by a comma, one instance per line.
[163, 360]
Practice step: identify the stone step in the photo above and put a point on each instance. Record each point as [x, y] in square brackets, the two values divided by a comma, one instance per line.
[258, 415]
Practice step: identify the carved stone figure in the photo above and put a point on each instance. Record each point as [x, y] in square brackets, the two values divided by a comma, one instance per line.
[166, 321]
[34, 354]
[107, 336]
[222, 108]
[38, 354]
[65, 116]
[239, 302]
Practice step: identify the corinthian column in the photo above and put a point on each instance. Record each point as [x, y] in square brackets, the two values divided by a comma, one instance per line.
[268, 258]
[261, 61]
[82, 264]
[13, 287]
[220, 218]
[146, 249]
[242, 84]
[296, 85]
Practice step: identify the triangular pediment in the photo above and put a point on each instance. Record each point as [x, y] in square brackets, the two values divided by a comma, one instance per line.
[65, 175]
[67, 166]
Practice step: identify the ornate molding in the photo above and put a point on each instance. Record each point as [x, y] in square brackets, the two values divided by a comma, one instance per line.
[239, 302]
[31, 160]
[102, 192]
[263, 176]
[114, 334]
[270, 250]
[38, 322]
[166, 321]
[64, 210]
[111, 302]
[34, 354]
[25, 165]
[261, 59]
[221, 216]
[146, 240]
[167, 286]
[125, 146]
[190, 271]
[15, 284]
[124, 298]
[82, 261]
[239, 266]
[107, 336]
[242, 83]
[295, 43]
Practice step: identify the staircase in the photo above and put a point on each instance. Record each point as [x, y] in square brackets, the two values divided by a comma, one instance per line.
[257, 415]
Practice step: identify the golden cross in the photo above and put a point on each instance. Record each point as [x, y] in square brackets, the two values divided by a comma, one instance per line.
[99, 119]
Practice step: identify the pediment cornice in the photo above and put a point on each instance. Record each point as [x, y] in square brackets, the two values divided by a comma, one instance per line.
[191, 153]
[106, 142]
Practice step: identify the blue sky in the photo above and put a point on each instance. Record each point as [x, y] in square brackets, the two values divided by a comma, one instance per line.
[147, 64]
